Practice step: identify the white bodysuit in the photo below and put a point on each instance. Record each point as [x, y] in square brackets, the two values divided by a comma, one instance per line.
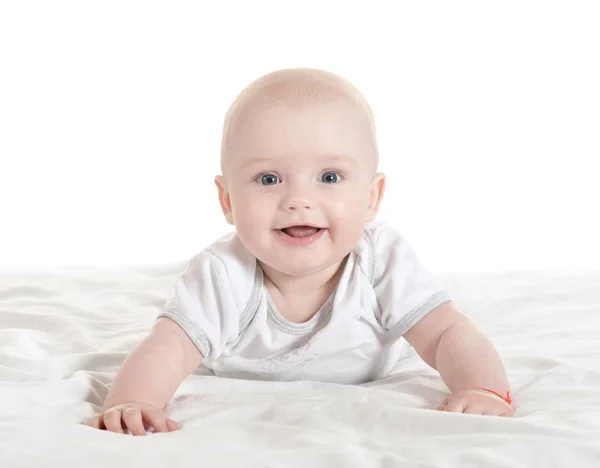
[222, 304]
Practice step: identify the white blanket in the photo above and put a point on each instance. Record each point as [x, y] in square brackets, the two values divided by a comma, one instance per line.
[63, 335]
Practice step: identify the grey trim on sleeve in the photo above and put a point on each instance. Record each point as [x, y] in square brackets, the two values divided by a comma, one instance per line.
[189, 328]
[419, 312]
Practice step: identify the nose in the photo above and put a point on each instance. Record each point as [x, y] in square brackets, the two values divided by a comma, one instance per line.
[298, 200]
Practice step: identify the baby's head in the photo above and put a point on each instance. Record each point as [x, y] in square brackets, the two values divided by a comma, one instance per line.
[299, 169]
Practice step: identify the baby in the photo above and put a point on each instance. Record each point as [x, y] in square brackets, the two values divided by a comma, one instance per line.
[309, 287]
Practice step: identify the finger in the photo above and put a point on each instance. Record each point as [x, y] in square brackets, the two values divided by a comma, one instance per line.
[147, 424]
[455, 406]
[133, 420]
[156, 418]
[508, 413]
[443, 404]
[473, 409]
[503, 410]
[112, 421]
[96, 422]
[172, 425]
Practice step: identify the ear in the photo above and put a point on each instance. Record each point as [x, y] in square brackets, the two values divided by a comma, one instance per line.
[224, 198]
[376, 195]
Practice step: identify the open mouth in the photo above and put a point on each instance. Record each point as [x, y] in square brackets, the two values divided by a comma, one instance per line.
[301, 231]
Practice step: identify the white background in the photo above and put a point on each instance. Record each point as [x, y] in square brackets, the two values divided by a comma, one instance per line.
[488, 116]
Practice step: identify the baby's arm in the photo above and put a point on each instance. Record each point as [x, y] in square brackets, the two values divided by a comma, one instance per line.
[148, 379]
[467, 361]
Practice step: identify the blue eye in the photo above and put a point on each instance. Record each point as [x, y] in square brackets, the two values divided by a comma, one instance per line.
[269, 179]
[330, 177]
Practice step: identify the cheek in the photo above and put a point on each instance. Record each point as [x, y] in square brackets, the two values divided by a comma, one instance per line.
[348, 215]
[353, 204]
[251, 211]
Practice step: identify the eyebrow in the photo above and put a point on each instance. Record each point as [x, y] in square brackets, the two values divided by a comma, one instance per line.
[256, 161]
[333, 158]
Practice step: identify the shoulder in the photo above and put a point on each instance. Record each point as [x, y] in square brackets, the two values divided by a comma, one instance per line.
[225, 263]
[383, 235]
[231, 253]
[376, 246]
[404, 288]
[214, 296]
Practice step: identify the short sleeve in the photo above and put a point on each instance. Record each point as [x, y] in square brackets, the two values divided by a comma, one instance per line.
[210, 299]
[405, 290]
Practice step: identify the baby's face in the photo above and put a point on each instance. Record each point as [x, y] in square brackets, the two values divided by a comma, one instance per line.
[300, 183]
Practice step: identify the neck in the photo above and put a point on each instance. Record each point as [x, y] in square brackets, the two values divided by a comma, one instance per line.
[289, 285]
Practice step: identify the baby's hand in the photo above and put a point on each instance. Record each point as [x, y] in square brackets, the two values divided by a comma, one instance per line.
[474, 401]
[137, 417]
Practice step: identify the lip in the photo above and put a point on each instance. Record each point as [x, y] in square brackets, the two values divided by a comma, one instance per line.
[301, 241]
[300, 224]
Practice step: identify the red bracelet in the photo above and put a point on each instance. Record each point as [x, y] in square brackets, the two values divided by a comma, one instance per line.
[507, 398]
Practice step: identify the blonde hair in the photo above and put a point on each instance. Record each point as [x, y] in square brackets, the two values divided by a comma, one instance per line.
[294, 86]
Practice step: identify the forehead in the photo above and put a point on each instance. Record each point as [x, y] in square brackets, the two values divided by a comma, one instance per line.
[300, 135]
